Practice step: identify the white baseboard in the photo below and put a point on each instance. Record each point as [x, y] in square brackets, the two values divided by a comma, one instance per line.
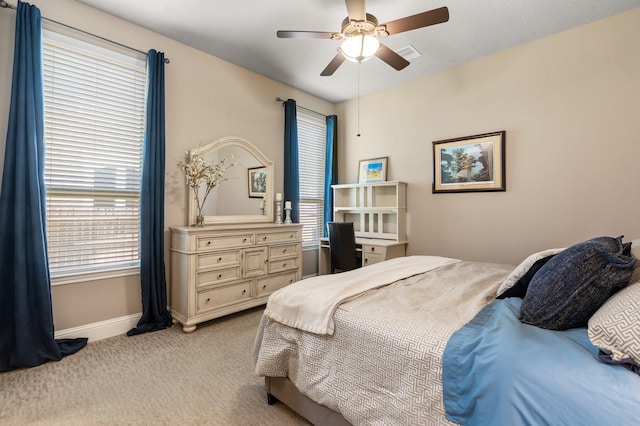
[102, 329]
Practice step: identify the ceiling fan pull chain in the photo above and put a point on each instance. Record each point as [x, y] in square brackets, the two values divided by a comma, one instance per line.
[359, 65]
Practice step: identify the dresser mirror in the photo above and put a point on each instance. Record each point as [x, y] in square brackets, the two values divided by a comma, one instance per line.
[235, 200]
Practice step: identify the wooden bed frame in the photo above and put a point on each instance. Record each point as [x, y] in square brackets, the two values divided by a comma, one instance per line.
[282, 389]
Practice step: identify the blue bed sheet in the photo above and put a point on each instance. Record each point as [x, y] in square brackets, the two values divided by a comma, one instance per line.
[498, 371]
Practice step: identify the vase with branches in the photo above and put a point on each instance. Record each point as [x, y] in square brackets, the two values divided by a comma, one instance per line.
[200, 172]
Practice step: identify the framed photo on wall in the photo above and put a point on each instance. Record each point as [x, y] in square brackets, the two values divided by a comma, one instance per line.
[470, 164]
[372, 170]
[257, 182]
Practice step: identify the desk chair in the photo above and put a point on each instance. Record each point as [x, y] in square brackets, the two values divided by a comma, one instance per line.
[342, 246]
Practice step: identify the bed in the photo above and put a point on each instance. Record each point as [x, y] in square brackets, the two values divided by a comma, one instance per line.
[406, 348]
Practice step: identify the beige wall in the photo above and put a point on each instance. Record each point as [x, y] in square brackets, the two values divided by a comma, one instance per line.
[206, 98]
[570, 105]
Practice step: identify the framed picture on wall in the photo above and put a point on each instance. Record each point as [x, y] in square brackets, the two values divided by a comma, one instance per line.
[470, 164]
[372, 170]
[257, 182]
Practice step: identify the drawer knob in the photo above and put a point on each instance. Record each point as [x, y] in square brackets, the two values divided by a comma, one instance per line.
[366, 260]
[291, 236]
[284, 250]
[264, 238]
[264, 286]
[244, 291]
[284, 265]
[373, 249]
[219, 259]
[208, 243]
[208, 300]
[244, 240]
[219, 276]
[291, 281]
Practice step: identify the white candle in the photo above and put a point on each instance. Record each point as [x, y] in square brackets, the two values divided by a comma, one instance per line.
[278, 196]
[287, 204]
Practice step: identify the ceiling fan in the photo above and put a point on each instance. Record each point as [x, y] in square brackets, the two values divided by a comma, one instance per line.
[360, 33]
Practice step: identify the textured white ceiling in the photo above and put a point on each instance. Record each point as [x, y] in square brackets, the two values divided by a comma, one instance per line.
[244, 33]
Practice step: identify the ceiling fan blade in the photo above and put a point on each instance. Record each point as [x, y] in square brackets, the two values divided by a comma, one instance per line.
[355, 10]
[304, 34]
[391, 57]
[424, 19]
[333, 65]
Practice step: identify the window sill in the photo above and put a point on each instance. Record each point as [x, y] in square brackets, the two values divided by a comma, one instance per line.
[94, 276]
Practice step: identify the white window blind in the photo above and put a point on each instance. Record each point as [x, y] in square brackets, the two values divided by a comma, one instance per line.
[312, 130]
[94, 128]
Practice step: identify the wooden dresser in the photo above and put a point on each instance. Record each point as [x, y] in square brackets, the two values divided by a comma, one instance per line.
[220, 269]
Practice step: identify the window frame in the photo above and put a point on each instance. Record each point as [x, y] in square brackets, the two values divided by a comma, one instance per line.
[317, 160]
[109, 189]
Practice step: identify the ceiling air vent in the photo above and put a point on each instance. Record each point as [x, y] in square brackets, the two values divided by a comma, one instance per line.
[408, 52]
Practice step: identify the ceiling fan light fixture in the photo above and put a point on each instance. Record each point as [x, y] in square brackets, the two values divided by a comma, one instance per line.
[359, 47]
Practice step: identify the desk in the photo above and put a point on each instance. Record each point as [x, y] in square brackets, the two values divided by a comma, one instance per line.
[373, 251]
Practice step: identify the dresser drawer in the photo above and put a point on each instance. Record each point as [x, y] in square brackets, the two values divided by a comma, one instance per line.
[281, 265]
[222, 296]
[282, 251]
[224, 241]
[371, 258]
[273, 283]
[218, 276]
[217, 260]
[278, 237]
[367, 249]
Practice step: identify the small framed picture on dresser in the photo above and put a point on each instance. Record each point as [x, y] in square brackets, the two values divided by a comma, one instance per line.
[257, 182]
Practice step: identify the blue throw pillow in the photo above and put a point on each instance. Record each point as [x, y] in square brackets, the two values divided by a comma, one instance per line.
[574, 283]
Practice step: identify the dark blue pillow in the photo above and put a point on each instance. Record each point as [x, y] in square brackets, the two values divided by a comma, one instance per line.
[572, 285]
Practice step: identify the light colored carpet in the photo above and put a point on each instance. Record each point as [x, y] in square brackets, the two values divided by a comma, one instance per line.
[161, 378]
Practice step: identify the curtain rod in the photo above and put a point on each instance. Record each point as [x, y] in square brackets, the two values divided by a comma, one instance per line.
[4, 4]
[279, 99]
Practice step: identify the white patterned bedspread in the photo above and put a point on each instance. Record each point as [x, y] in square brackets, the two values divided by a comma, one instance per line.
[383, 363]
[309, 304]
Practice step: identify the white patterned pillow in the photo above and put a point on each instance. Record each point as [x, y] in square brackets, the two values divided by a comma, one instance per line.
[635, 252]
[615, 327]
[524, 267]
